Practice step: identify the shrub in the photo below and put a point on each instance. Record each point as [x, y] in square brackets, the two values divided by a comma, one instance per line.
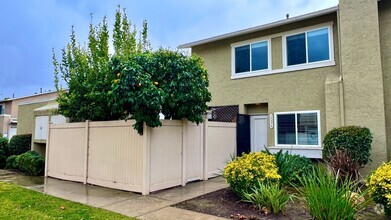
[327, 198]
[3, 151]
[379, 185]
[355, 140]
[19, 144]
[32, 163]
[292, 167]
[243, 172]
[268, 195]
[12, 162]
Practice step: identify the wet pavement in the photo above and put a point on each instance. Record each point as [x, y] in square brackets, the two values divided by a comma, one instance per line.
[151, 207]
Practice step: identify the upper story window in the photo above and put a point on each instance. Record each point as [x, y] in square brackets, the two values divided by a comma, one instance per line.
[297, 129]
[308, 47]
[251, 57]
[2, 110]
[300, 49]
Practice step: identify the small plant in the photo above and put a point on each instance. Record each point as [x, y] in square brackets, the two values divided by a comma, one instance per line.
[268, 195]
[292, 167]
[245, 171]
[19, 144]
[32, 163]
[379, 185]
[3, 151]
[356, 141]
[340, 162]
[328, 198]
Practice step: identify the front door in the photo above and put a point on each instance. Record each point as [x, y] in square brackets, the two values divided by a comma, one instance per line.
[258, 132]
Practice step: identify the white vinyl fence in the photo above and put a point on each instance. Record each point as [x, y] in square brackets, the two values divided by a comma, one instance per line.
[112, 154]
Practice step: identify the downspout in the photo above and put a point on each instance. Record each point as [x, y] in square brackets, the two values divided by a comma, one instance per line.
[341, 88]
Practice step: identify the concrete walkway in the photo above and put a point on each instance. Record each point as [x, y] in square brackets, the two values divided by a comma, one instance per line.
[155, 206]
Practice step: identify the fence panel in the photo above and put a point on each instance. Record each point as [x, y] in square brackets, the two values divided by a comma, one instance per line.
[194, 151]
[115, 155]
[66, 151]
[221, 145]
[166, 156]
[112, 154]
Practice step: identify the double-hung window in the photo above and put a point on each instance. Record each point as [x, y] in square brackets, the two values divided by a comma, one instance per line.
[251, 57]
[309, 47]
[297, 128]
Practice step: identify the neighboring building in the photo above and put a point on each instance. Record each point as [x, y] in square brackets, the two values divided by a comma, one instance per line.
[295, 79]
[9, 111]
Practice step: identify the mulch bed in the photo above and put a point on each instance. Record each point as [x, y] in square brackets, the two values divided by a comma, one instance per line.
[224, 203]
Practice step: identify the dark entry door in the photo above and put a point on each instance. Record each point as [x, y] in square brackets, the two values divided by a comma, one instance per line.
[243, 137]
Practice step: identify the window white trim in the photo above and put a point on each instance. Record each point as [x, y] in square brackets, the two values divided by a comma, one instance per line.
[251, 72]
[297, 146]
[305, 31]
[285, 68]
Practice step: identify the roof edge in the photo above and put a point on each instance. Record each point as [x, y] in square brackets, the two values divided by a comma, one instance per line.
[260, 27]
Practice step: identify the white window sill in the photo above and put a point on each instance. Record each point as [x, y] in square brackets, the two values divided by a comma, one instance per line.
[310, 152]
[284, 70]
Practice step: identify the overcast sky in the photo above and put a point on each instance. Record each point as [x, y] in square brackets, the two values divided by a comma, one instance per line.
[31, 28]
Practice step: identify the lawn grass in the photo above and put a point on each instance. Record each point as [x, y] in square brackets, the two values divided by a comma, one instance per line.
[20, 203]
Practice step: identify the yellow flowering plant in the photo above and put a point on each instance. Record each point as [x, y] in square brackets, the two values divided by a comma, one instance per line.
[379, 185]
[243, 172]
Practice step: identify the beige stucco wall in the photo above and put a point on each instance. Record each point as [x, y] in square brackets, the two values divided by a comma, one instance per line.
[385, 45]
[8, 107]
[290, 91]
[276, 53]
[26, 117]
[4, 120]
[362, 71]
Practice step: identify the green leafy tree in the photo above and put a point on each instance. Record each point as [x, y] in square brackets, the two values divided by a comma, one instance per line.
[164, 81]
[87, 72]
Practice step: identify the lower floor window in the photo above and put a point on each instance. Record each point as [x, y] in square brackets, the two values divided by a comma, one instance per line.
[297, 128]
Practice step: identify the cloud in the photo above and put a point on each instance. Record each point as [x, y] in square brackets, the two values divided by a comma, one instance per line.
[30, 29]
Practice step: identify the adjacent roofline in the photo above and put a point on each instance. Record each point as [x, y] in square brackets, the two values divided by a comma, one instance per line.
[37, 101]
[28, 96]
[261, 27]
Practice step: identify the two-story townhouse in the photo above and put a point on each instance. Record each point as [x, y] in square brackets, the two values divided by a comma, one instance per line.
[295, 79]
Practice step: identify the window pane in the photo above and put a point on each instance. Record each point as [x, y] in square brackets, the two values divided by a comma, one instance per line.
[318, 45]
[296, 50]
[242, 59]
[307, 128]
[259, 56]
[286, 129]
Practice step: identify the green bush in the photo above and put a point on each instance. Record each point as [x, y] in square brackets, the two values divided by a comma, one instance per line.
[328, 198]
[268, 195]
[379, 185]
[20, 144]
[292, 167]
[245, 171]
[12, 162]
[355, 140]
[31, 163]
[3, 151]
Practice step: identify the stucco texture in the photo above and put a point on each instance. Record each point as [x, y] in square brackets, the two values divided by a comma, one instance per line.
[26, 117]
[289, 91]
[385, 44]
[362, 71]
